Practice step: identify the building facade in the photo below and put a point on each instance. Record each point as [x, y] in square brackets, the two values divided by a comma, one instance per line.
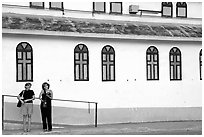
[140, 66]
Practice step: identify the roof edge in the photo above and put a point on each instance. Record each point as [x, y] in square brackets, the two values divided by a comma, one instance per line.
[94, 35]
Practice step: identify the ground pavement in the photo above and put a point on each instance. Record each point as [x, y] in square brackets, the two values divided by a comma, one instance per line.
[152, 128]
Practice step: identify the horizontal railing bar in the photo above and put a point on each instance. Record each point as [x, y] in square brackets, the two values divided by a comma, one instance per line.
[59, 99]
[74, 101]
[3, 96]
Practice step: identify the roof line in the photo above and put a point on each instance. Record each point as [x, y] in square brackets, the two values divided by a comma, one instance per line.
[94, 35]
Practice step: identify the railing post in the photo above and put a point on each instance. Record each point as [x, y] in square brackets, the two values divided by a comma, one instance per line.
[2, 112]
[89, 107]
[96, 115]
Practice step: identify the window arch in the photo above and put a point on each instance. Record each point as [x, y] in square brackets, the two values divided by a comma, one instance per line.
[152, 60]
[200, 60]
[24, 62]
[108, 63]
[167, 9]
[81, 63]
[181, 9]
[175, 64]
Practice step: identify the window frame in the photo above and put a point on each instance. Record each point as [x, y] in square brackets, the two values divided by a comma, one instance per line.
[181, 5]
[111, 8]
[56, 8]
[175, 77]
[95, 11]
[37, 7]
[167, 4]
[24, 50]
[108, 53]
[81, 53]
[152, 54]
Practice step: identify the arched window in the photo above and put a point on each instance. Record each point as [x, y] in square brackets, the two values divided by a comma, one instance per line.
[175, 64]
[200, 60]
[108, 63]
[24, 62]
[81, 63]
[167, 9]
[181, 9]
[152, 58]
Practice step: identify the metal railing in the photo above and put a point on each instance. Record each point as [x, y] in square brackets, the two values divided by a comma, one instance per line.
[88, 102]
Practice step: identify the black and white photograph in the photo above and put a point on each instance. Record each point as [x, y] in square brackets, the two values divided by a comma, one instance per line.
[101, 67]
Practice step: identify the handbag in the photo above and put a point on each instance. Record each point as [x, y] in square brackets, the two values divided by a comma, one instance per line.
[44, 104]
[19, 104]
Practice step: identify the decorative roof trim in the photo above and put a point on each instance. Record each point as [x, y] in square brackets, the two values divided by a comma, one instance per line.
[91, 35]
[43, 25]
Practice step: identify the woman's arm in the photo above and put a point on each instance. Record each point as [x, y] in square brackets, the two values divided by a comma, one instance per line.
[19, 97]
[33, 98]
[50, 95]
[40, 96]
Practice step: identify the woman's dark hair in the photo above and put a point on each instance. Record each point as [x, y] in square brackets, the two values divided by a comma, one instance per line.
[28, 84]
[43, 85]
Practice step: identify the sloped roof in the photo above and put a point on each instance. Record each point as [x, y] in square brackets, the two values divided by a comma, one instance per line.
[66, 24]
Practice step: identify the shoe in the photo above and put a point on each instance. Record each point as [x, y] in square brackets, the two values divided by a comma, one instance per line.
[28, 130]
[49, 130]
[45, 130]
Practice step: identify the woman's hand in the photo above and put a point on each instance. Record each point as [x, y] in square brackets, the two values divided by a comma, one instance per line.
[22, 101]
[48, 95]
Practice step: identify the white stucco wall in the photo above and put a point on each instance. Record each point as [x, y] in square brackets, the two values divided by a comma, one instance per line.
[194, 9]
[53, 59]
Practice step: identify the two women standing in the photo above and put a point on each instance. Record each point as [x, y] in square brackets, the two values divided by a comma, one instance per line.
[27, 96]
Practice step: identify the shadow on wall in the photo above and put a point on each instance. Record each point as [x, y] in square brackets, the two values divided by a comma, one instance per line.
[60, 115]
[79, 116]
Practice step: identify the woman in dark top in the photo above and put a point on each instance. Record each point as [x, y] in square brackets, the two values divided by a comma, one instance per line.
[26, 97]
[46, 96]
